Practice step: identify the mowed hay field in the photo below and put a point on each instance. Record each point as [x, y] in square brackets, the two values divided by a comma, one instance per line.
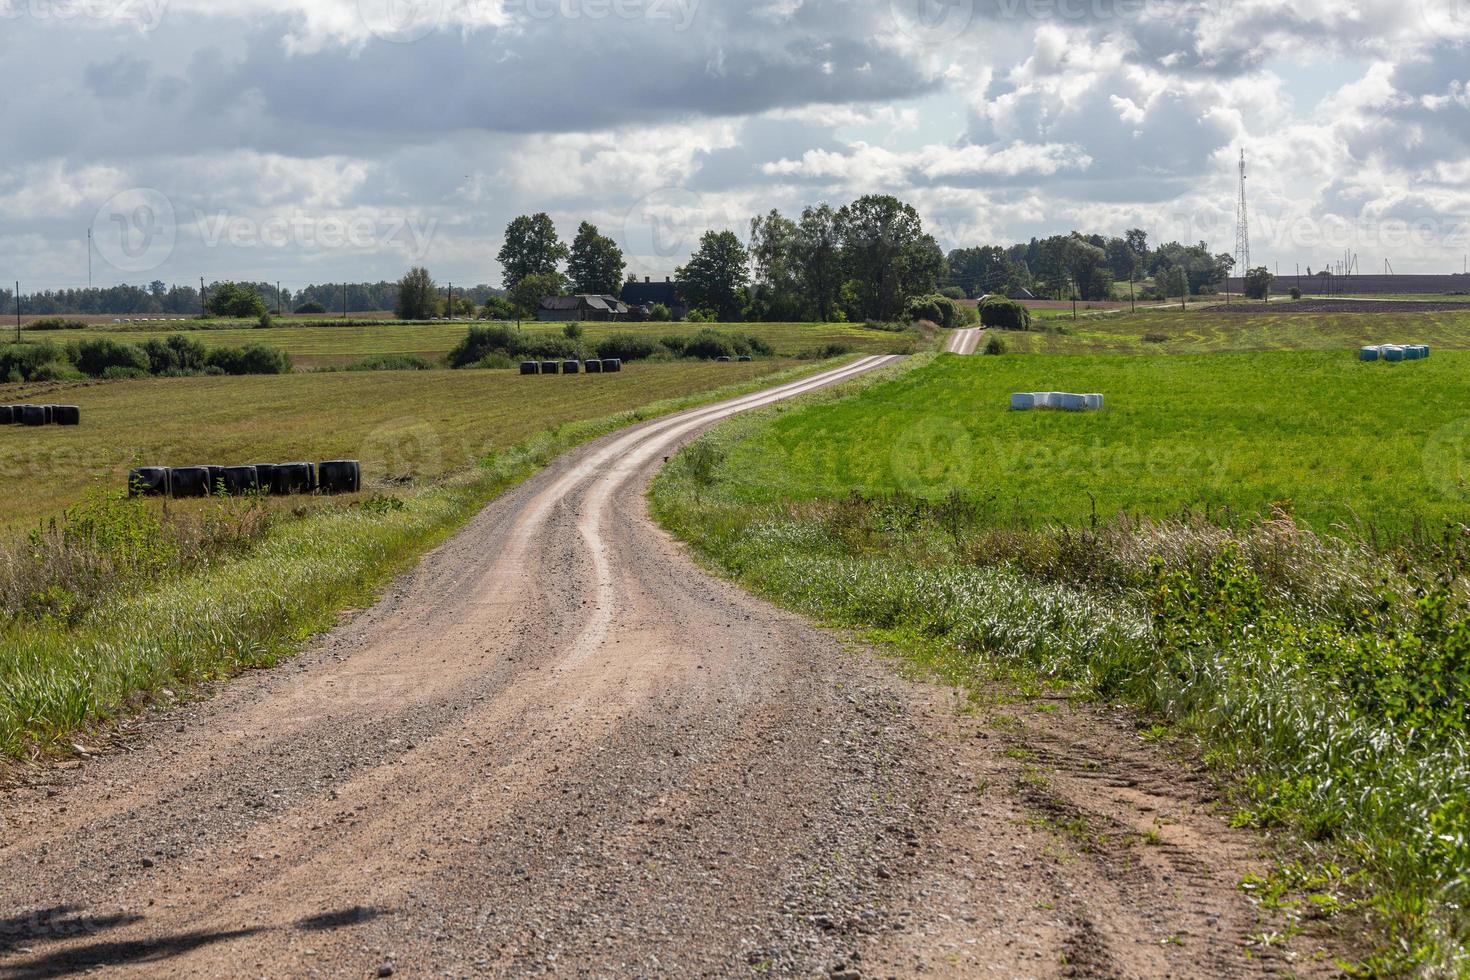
[1276, 327]
[1335, 441]
[323, 345]
[401, 424]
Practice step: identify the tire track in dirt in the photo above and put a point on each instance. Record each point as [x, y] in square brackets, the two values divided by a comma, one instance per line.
[557, 747]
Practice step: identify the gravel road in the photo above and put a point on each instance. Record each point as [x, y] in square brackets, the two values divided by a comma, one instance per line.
[963, 342]
[557, 747]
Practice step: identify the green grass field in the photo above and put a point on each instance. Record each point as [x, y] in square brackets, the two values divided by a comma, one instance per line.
[409, 423]
[1341, 441]
[1322, 676]
[314, 344]
[1202, 330]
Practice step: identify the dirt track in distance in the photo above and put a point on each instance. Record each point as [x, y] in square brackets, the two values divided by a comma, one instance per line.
[558, 747]
[964, 342]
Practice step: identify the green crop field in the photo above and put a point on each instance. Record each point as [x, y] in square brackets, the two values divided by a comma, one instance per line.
[399, 423]
[1340, 440]
[1203, 330]
[314, 344]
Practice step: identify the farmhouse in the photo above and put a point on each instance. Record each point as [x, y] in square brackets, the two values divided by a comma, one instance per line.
[584, 307]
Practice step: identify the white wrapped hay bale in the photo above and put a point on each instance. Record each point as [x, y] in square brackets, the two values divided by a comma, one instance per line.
[1094, 403]
[1069, 402]
[1368, 354]
[1023, 402]
[1393, 353]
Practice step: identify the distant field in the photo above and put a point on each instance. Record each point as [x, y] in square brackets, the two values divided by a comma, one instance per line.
[1201, 330]
[400, 424]
[318, 345]
[1333, 439]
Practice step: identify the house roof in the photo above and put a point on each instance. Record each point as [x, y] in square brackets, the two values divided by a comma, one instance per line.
[585, 301]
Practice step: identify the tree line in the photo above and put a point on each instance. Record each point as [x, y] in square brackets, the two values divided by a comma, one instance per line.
[867, 260]
[1087, 267]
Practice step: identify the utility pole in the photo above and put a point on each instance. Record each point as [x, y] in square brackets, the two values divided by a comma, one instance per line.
[17, 312]
[201, 296]
[1132, 301]
[344, 301]
[278, 297]
[450, 311]
[89, 257]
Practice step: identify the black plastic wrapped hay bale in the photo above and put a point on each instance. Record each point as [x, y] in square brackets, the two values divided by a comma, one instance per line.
[67, 415]
[185, 482]
[746, 357]
[50, 414]
[339, 476]
[724, 360]
[216, 479]
[611, 365]
[266, 472]
[7, 414]
[571, 367]
[530, 367]
[148, 481]
[592, 367]
[32, 415]
[240, 480]
[289, 478]
[551, 367]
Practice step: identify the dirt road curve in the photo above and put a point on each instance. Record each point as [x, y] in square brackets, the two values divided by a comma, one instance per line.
[964, 342]
[557, 747]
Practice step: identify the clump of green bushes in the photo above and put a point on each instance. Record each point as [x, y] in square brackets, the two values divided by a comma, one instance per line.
[55, 323]
[1004, 314]
[391, 362]
[42, 361]
[941, 310]
[482, 344]
[103, 357]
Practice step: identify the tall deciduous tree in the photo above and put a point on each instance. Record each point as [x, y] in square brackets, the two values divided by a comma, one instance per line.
[418, 296]
[777, 275]
[818, 259]
[596, 264]
[716, 274]
[531, 248]
[886, 255]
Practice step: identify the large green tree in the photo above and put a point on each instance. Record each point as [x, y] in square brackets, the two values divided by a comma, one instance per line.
[886, 256]
[596, 264]
[234, 299]
[777, 280]
[418, 296]
[531, 248]
[716, 274]
[817, 250]
[980, 270]
[526, 295]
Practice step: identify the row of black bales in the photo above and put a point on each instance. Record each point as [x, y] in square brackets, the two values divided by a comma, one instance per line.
[280, 479]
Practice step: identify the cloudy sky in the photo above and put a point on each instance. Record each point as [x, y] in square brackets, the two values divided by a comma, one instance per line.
[320, 140]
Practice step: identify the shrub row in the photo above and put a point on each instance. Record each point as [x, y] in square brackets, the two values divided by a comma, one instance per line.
[103, 357]
[281, 479]
[495, 345]
[35, 415]
[940, 309]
